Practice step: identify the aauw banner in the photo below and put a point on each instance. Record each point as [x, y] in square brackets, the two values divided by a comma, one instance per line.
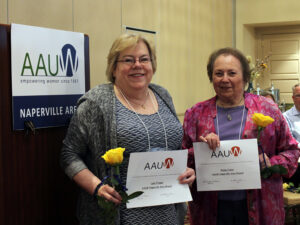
[48, 75]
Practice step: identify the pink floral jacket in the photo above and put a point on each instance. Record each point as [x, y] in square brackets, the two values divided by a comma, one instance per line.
[265, 205]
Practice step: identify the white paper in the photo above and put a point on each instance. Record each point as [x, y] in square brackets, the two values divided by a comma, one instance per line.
[156, 173]
[233, 166]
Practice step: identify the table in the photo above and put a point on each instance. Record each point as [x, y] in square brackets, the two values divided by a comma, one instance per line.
[292, 207]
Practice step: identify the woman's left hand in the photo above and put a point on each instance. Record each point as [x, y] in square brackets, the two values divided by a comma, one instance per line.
[264, 160]
[187, 177]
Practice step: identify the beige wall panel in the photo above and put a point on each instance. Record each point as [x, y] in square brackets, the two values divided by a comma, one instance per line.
[101, 20]
[3, 11]
[222, 19]
[284, 76]
[285, 85]
[280, 46]
[284, 47]
[285, 89]
[284, 67]
[249, 48]
[257, 13]
[283, 57]
[173, 51]
[201, 44]
[287, 35]
[286, 97]
[141, 14]
[181, 117]
[268, 11]
[53, 14]
[210, 29]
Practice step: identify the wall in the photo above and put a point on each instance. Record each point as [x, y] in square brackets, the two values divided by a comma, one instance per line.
[251, 14]
[255, 18]
[187, 32]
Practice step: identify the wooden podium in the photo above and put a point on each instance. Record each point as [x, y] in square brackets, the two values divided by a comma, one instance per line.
[33, 188]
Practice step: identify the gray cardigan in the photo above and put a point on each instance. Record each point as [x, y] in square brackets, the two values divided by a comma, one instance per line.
[92, 131]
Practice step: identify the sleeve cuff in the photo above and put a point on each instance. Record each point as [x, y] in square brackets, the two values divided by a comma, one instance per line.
[74, 168]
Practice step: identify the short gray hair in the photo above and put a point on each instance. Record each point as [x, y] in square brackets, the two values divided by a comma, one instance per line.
[268, 93]
[294, 87]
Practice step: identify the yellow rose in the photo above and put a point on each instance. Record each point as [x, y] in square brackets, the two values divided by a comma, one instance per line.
[285, 186]
[114, 156]
[261, 120]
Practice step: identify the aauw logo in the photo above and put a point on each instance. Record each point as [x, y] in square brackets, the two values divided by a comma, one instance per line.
[63, 64]
[168, 163]
[234, 151]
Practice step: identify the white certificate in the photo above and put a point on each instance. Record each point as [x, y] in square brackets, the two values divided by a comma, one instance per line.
[233, 166]
[156, 173]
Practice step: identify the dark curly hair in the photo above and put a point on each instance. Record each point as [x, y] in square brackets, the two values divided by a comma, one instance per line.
[229, 51]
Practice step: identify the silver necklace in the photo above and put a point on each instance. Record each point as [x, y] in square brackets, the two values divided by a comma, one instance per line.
[143, 104]
[242, 120]
[162, 122]
[228, 116]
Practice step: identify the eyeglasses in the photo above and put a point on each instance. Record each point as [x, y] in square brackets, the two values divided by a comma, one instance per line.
[130, 60]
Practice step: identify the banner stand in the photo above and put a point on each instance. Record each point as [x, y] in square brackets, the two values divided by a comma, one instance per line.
[33, 188]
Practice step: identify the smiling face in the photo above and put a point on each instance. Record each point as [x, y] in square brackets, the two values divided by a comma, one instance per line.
[227, 79]
[136, 76]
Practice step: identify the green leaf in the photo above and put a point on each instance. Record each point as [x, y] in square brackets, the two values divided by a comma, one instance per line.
[104, 204]
[291, 184]
[114, 181]
[276, 169]
[265, 173]
[108, 210]
[127, 197]
[135, 194]
[119, 188]
[124, 196]
[101, 201]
